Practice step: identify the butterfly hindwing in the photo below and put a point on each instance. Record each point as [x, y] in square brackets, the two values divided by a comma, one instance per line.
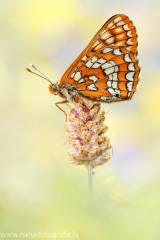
[110, 75]
[107, 69]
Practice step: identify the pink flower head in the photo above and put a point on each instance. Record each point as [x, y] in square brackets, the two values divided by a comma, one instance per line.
[85, 132]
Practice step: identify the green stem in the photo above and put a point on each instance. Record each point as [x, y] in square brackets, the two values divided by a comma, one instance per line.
[89, 169]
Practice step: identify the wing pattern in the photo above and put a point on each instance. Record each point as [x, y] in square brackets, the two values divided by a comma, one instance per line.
[107, 70]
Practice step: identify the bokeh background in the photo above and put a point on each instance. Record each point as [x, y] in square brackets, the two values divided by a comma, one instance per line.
[39, 189]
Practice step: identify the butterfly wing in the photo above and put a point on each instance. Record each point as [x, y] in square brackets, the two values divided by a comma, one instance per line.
[107, 69]
[110, 75]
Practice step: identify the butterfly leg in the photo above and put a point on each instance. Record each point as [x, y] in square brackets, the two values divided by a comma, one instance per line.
[61, 108]
[77, 96]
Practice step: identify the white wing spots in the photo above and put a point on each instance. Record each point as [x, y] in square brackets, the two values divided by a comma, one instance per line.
[92, 87]
[106, 65]
[113, 63]
[106, 50]
[130, 76]
[129, 86]
[129, 41]
[104, 98]
[115, 76]
[109, 83]
[129, 48]
[96, 43]
[116, 68]
[125, 27]
[129, 93]
[113, 92]
[119, 43]
[131, 67]
[81, 80]
[77, 76]
[96, 65]
[91, 61]
[93, 78]
[129, 34]
[106, 35]
[113, 26]
[118, 30]
[120, 23]
[117, 91]
[94, 59]
[84, 58]
[88, 64]
[127, 58]
[101, 60]
[72, 75]
[99, 46]
[117, 52]
[115, 84]
[110, 77]
[112, 84]
[110, 24]
[95, 62]
[117, 19]
[109, 99]
[109, 70]
[110, 40]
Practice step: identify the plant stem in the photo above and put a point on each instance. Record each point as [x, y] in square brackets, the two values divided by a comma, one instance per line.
[89, 169]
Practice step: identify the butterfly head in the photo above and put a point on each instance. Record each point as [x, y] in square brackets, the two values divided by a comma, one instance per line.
[53, 88]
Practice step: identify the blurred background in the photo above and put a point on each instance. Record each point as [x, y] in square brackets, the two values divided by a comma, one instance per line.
[39, 189]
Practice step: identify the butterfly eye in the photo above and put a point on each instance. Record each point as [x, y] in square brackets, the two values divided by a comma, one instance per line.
[53, 88]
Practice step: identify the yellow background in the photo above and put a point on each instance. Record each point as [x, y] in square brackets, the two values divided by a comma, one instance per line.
[39, 189]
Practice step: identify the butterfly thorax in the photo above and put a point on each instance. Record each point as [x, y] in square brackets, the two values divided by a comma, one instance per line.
[65, 91]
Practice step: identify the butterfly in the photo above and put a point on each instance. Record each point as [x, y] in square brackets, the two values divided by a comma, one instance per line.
[107, 70]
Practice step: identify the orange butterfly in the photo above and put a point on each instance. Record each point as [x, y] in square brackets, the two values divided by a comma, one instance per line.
[107, 70]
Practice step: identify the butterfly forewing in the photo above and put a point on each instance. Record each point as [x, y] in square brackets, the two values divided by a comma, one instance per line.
[119, 30]
[107, 70]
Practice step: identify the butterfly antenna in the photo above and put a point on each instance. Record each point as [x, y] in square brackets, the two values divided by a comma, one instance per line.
[44, 77]
[39, 71]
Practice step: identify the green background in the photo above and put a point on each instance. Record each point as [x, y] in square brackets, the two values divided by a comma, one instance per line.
[39, 189]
